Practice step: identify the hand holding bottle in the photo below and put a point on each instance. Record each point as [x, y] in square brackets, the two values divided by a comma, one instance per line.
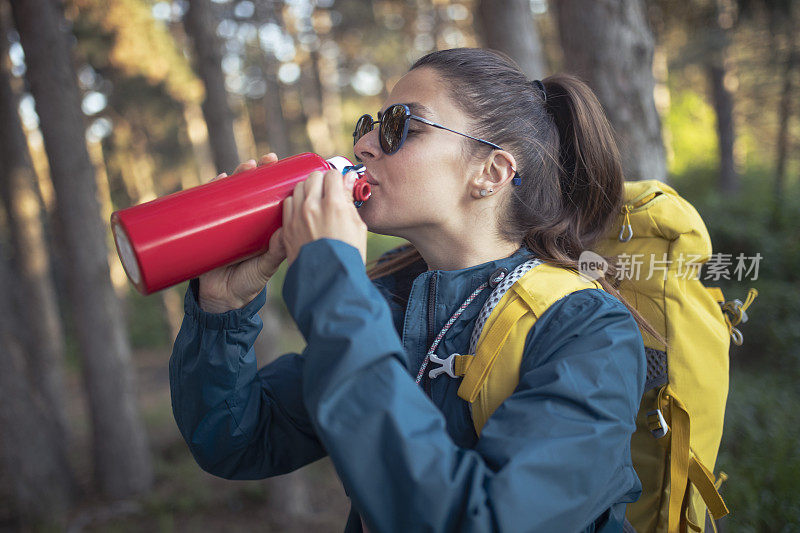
[234, 286]
[322, 207]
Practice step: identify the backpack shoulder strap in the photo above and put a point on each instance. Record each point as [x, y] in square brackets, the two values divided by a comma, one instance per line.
[492, 374]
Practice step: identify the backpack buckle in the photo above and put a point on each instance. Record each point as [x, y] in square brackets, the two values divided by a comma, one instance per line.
[448, 366]
[735, 309]
[658, 425]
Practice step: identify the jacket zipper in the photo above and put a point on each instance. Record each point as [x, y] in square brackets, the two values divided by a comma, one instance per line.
[426, 380]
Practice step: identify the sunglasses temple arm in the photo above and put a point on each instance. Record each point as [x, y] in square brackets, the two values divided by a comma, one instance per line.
[435, 125]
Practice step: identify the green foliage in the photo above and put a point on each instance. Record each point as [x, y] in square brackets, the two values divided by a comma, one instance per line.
[123, 36]
[147, 81]
[690, 132]
[760, 452]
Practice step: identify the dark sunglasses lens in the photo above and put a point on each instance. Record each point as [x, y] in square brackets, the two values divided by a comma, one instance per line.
[393, 129]
[363, 126]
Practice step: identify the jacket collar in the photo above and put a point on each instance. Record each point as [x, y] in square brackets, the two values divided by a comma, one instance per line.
[435, 295]
[413, 286]
[453, 286]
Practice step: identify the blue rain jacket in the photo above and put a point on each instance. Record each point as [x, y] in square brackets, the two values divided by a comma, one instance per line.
[555, 456]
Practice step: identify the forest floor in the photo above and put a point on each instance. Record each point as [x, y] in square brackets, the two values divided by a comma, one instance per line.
[183, 496]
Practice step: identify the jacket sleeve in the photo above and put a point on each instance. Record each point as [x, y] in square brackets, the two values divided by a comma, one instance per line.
[554, 457]
[239, 422]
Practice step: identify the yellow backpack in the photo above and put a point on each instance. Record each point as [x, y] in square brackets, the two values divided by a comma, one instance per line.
[679, 425]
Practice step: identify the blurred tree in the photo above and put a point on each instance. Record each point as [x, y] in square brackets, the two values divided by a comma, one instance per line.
[318, 128]
[509, 26]
[784, 20]
[609, 45]
[277, 133]
[153, 96]
[121, 457]
[717, 65]
[270, 19]
[116, 271]
[706, 28]
[745, 49]
[137, 168]
[200, 23]
[31, 452]
[43, 336]
[137, 62]
[327, 65]
[33, 441]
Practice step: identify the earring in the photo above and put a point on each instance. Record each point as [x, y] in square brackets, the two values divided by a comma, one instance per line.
[484, 192]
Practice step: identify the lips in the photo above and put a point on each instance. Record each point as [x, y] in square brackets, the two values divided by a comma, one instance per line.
[369, 178]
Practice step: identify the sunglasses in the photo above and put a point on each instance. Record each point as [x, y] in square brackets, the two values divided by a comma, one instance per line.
[394, 128]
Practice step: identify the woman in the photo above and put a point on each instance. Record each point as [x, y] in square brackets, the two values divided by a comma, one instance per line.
[495, 170]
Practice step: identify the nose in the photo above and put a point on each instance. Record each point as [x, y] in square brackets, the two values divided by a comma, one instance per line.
[368, 146]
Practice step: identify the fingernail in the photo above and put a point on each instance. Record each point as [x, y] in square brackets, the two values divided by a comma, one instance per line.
[350, 179]
[221, 175]
[251, 161]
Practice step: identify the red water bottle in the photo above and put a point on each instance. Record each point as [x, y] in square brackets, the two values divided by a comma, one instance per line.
[184, 234]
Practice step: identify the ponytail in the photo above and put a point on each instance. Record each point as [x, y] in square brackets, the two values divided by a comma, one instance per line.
[590, 173]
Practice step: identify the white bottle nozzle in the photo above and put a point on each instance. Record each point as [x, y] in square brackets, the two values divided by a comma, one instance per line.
[339, 163]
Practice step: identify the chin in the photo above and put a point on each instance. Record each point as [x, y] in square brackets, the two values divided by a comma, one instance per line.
[379, 220]
[373, 222]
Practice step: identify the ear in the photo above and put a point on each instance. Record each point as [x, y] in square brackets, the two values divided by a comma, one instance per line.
[495, 173]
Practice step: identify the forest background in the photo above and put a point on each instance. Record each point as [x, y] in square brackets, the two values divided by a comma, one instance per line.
[104, 105]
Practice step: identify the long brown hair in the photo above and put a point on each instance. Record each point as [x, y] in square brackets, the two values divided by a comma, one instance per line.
[572, 181]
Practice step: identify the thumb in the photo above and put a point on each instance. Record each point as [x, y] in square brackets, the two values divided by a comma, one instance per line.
[269, 261]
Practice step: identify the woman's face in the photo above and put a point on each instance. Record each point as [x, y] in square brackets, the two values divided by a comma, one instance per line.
[424, 184]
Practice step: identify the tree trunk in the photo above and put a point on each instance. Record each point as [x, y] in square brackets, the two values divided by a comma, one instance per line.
[243, 129]
[201, 27]
[119, 280]
[508, 26]
[196, 128]
[608, 44]
[723, 107]
[277, 130]
[121, 456]
[317, 128]
[717, 70]
[332, 103]
[34, 435]
[41, 331]
[44, 186]
[32, 452]
[198, 136]
[784, 117]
